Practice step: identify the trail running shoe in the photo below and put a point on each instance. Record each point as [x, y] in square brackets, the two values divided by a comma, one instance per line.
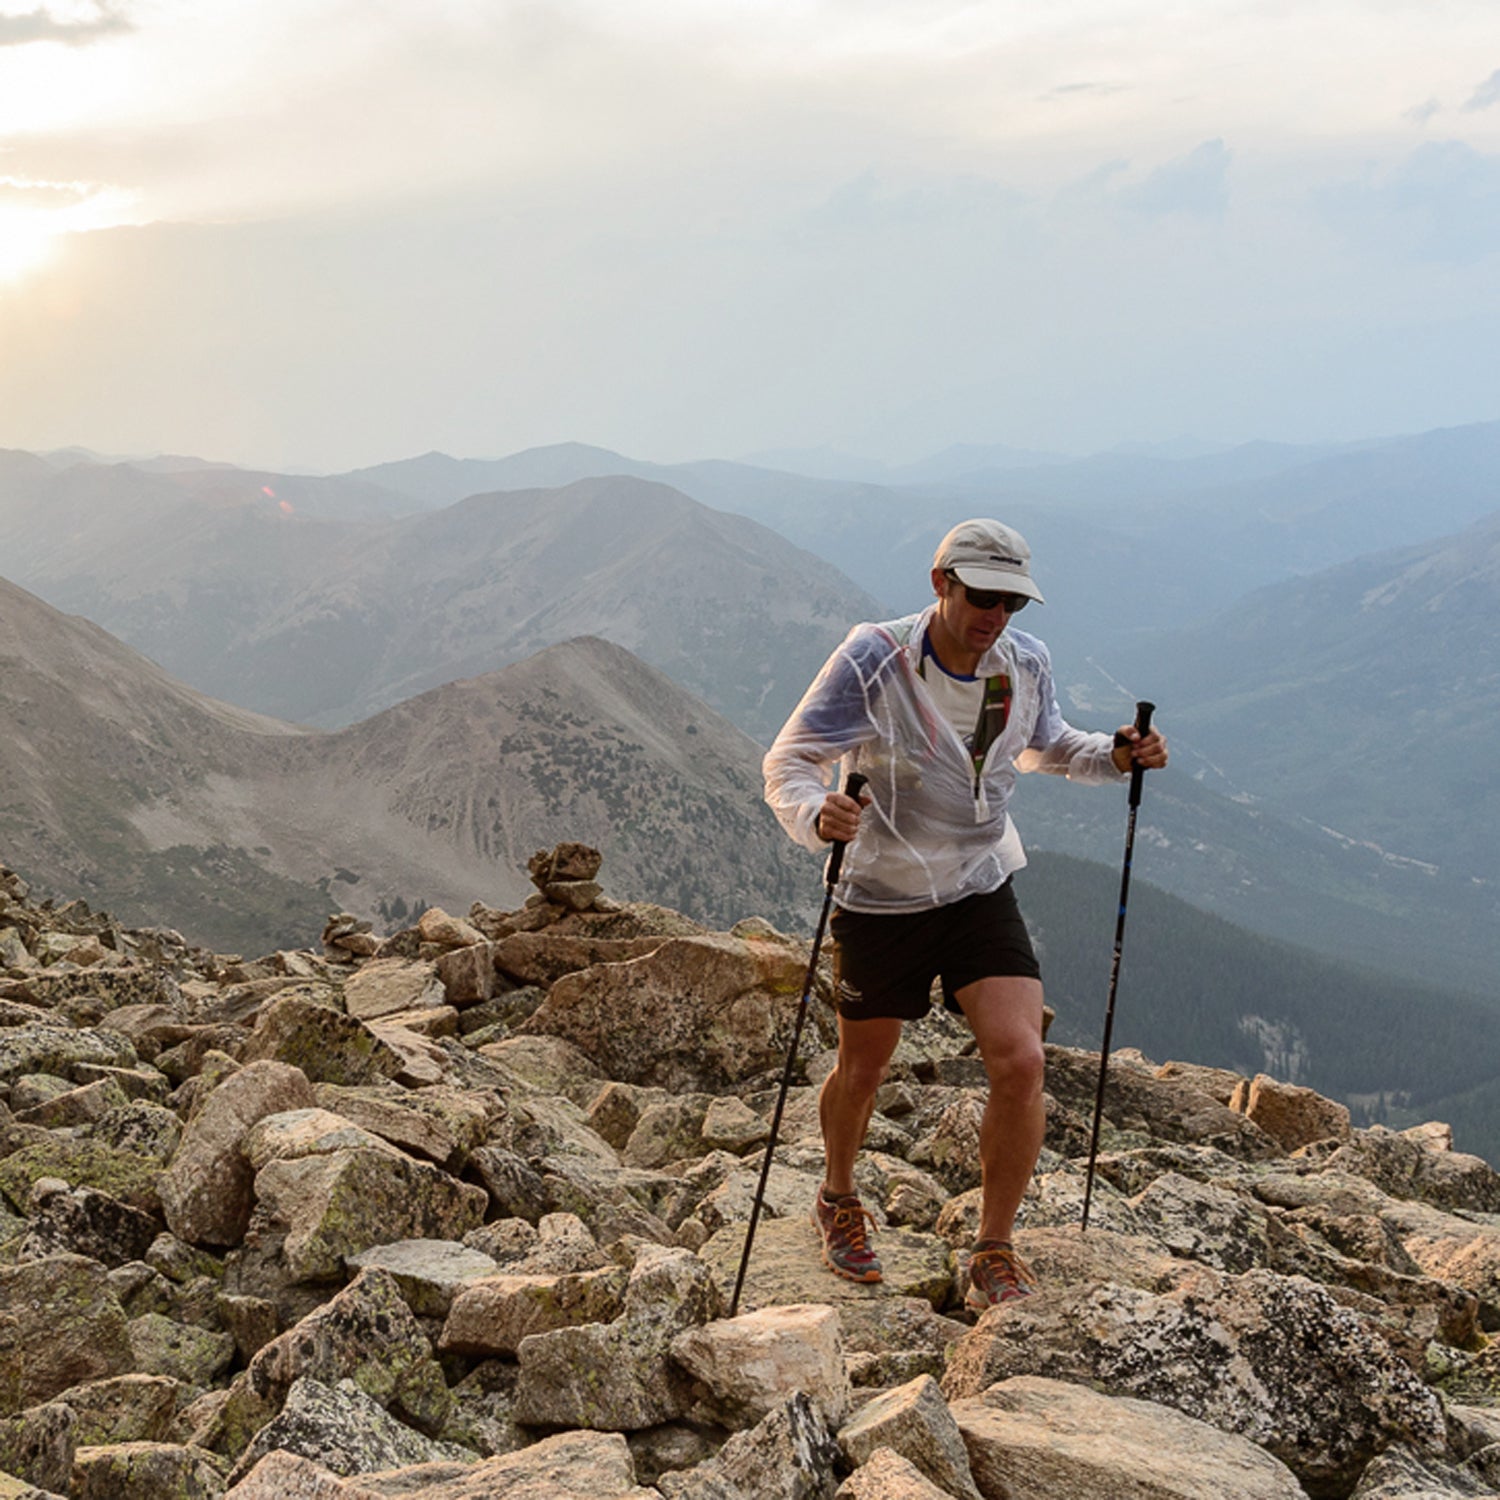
[846, 1244]
[997, 1274]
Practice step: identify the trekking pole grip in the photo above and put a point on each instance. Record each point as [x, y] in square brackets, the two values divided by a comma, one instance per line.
[1143, 712]
[853, 786]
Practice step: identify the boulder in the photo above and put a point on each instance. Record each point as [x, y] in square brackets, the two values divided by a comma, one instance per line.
[60, 1324]
[442, 1124]
[467, 974]
[890, 1341]
[789, 1453]
[344, 1430]
[493, 1315]
[888, 1476]
[1203, 1222]
[786, 1266]
[620, 1376]
[84, 1221]
[37, 1445]
[1401, 1474]
[750, 1365]
[284, 1476]
[430, 1273]
[568, 1464]
[367, 1334]
[1173, 1108]
[124, 1409]
[303, 1029]
[1036, 1439]
[698, 1013]
[1292, 1116]
[1267, 1357]
[435, 926]
[178, 1351]
[208, 1190]
[80, 1163]
[537, 958]
[387, 985]
[323, 1208]
[146, 1471]
[914, 1421]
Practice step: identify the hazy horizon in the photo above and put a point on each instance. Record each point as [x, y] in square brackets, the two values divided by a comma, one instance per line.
[316, 237]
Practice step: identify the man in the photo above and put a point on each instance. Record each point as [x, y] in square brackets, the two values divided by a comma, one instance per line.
[939, 711]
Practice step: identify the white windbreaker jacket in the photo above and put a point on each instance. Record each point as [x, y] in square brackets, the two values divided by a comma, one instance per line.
[934, 831]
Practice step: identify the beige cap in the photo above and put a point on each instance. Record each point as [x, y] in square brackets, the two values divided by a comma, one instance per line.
[988, 555]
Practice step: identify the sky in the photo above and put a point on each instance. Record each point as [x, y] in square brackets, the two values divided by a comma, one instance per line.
[321, 234]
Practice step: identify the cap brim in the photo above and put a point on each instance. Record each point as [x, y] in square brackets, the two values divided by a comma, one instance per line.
[998, 580]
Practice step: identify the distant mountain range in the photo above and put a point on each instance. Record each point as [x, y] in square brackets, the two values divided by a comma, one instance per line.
[1124, 542]
[1365, 698]
[325, 620]
[1299, 803]
[122, 785]
[161, 805]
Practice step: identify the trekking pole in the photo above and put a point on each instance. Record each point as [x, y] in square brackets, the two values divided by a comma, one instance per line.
[1143, 712]
[853, 786]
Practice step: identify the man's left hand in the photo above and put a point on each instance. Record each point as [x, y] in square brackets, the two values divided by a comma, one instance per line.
[1148, 751]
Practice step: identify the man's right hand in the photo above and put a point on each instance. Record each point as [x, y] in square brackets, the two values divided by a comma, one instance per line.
[838, 822]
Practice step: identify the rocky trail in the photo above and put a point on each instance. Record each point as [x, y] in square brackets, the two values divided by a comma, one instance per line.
[456, 1213]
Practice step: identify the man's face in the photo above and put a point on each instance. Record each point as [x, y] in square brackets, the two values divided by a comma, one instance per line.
[972, 630]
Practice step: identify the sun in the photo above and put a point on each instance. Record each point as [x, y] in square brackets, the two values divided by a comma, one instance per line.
[27, 241]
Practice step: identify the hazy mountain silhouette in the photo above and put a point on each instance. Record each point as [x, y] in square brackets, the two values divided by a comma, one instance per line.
[1366, 697]
[326, 620]
[122, 785]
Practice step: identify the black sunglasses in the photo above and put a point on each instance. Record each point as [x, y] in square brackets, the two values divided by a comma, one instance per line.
[989, 598]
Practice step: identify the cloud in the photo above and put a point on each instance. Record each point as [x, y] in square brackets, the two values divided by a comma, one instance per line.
[99, 18]
[1441, 204]
[1093, 90]
[1485, 95]
[1197, 184]
[31, 193]
[1420, 114]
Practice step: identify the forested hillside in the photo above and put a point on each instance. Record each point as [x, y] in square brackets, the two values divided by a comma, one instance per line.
[1195, 987]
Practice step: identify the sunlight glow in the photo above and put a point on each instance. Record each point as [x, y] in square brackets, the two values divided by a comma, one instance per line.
[26, 241]
[34, 216]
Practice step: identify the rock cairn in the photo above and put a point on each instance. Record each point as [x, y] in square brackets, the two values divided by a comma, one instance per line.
[455, 1212]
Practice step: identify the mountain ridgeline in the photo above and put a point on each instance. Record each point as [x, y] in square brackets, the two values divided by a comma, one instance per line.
[121, 785]
[567, 643]
[319, 619]
[131, 789]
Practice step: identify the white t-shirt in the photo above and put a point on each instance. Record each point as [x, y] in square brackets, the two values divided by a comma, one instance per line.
[958, 699]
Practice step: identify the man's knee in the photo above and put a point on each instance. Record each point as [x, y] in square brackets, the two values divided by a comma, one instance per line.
[861, 1075]
[1017, 1067]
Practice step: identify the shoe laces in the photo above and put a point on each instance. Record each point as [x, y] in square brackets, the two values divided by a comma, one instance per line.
[849, 1219]
[1001, 1263]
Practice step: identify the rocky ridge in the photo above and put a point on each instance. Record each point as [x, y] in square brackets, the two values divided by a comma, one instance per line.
[457, 1212]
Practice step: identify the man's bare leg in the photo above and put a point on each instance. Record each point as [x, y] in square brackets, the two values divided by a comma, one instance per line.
[847, 1099]
[1005, 1014]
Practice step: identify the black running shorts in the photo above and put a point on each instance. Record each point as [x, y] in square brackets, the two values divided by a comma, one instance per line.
[884, 963]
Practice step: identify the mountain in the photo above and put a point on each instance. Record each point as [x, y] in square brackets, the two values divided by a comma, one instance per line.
[124, 786]
[325, 619]
[128, 787]
[724, 607]
[1197, 986]
[1365, 698]
[330, 621]
[1123, 542]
